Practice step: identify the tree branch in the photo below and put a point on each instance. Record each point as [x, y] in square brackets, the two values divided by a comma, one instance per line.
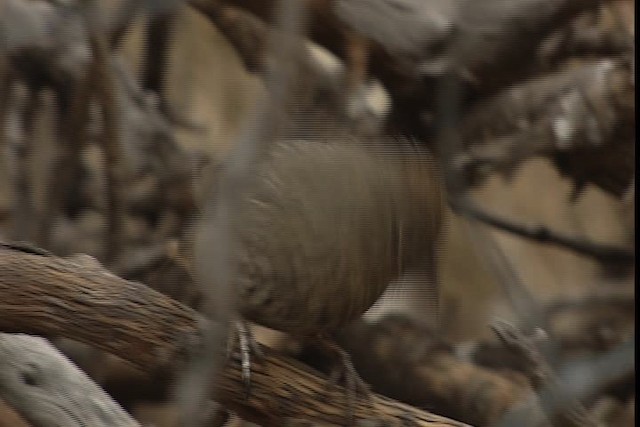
[46, 295]
[409, 41]
[582, 117]
[571, 412]
[542, 234]
[48, 390]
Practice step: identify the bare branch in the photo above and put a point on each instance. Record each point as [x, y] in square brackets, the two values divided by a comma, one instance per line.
[560, 395]
[567, 411]
[434, 39]
[540, 233]
[48, 390]
[581, 117]
[122, 20]
[50, 296]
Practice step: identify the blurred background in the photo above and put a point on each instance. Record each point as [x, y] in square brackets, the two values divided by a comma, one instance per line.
[182, 93]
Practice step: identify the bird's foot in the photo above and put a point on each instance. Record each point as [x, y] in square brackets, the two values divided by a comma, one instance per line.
[344, 374]
[249, 349]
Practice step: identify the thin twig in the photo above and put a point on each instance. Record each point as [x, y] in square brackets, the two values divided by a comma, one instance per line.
[214, 235]
[563, 409]
[524, 304]
[542, 234]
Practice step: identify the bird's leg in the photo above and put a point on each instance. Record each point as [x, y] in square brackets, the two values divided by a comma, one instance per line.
[344, 373]
[248, 348]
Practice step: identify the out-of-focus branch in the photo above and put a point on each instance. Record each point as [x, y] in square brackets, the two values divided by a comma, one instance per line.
[48, 390]
[5, 84]
[106, 91]
[594, 323]
[540, 233]
[404, 359]
[582, 117]
[47, 295]
[566, 410]
[246, 33]
[72, 134]
[601, 32]
[41, 56]
[412, 39]
[249, 35]
[561, 394]
[214, 235]
[122, 20]
[158, 42]
[23, 210]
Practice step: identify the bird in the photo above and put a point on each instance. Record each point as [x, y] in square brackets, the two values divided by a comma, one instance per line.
[325, 225]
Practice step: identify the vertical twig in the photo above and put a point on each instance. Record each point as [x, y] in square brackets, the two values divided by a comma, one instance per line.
[215, 274]
[5, 84]
[106, 92]
[23, 209]
[560, 395]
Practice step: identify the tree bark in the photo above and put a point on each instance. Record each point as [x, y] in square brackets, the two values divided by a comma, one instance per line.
[77, 299]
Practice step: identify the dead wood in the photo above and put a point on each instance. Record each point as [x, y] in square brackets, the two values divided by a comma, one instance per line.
[51, 296]
[409, 42]
[560, 392]
[539, 233]
[582, 117]
[48, 390]
[403, 359]
[411, 47]
[564, 410]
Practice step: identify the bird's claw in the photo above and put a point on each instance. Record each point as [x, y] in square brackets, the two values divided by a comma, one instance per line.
[345, 374]
[248, 348]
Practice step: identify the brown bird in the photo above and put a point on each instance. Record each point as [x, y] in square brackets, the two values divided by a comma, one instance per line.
[326, 226]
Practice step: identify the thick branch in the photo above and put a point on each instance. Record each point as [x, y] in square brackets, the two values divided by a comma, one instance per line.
[52, 296]
[582, 117]
[410, 40]
[404, 359]
[249, 35]
[48, 390]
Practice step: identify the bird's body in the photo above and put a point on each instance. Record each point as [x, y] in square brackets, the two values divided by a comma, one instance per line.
[326, 226]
